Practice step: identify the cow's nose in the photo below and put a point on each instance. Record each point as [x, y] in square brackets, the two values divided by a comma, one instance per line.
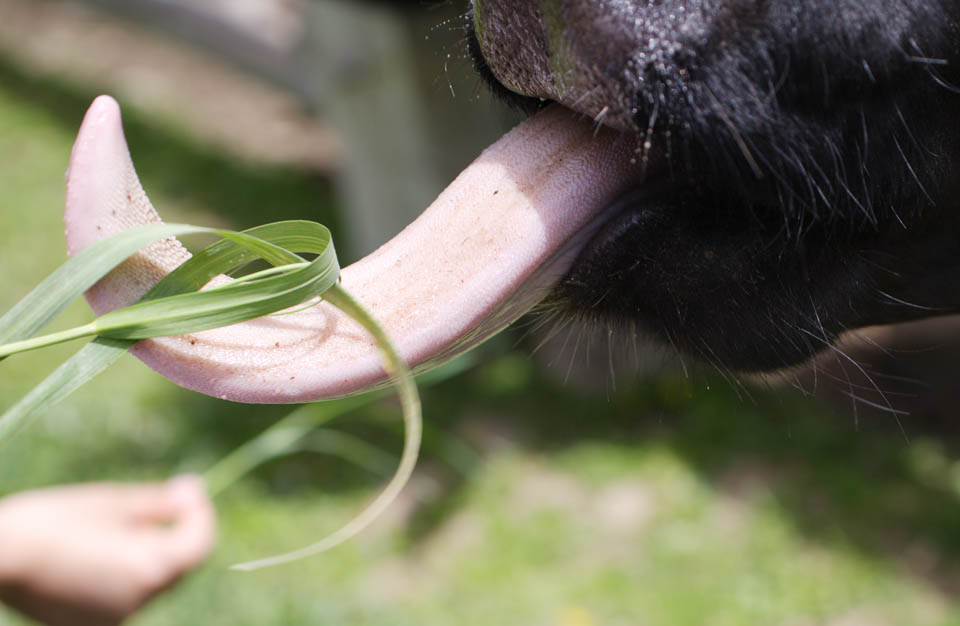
[579, 54]
[513, 43]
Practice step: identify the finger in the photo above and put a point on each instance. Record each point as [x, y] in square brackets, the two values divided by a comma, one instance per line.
[147, 503]
[160, 503]
[190, 537]
[119, 501]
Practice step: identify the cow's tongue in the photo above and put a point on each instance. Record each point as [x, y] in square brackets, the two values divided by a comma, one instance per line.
[490, 247]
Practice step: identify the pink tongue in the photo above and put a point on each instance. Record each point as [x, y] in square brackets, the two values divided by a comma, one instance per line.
[484, 252]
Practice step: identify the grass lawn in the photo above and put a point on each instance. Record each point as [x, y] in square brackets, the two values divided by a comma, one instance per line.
[673, 501]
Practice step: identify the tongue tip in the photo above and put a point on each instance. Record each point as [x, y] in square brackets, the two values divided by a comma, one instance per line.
[104, 108]
[99, 163]
[104, 197]
[99, 139]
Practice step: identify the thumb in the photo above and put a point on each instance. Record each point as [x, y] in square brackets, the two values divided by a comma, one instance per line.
[190, 536]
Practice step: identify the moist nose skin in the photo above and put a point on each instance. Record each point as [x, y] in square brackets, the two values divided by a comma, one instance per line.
[597, 58]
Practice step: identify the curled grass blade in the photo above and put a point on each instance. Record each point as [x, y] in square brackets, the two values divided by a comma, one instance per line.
[167, 310]
[226, 256]
[72, 374]
[413, 429]
[254, 296]
[84, 269]
[288, 435]
[228, 304]
[280, 439]
[175, 307]
[79, 273]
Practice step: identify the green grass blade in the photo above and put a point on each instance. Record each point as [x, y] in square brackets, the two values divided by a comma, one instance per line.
[244, 301]
[186, 313]
[78, 274]
[170, 311]
[235, 302]
[167, 310]
[92, 359]
[225, 256]
[286, 436]
[85, 268]
[278, 440]
[351, 449]
[413, 431]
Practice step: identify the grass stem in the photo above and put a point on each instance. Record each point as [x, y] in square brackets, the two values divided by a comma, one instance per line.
[43, 341]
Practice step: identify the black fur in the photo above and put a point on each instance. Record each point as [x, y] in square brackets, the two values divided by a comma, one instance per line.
[812, 161]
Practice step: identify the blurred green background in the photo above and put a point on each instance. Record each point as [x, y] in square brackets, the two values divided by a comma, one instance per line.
[673, 497]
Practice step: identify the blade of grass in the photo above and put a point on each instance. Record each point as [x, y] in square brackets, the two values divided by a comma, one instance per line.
[92, 359]
[166, 310]
[413, 429]
[54, 293]
[278, 440]
[229, 304]
[226, 256]
[80, 272]
[286, 435]
[351, 449]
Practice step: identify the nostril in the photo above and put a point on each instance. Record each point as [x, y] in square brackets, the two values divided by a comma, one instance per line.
[531, 51]
[510, 37]
[476, 28]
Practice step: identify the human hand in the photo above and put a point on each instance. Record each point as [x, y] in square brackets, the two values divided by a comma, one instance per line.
[92, 554]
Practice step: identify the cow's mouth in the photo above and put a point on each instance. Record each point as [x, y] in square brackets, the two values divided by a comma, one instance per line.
[491, 246]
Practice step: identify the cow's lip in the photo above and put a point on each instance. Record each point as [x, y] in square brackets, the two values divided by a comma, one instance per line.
[491, 246]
